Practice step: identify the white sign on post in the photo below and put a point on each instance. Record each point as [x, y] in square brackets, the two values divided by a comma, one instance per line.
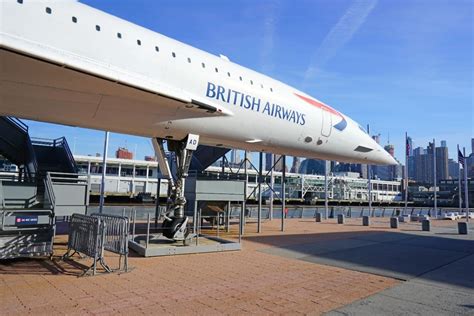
[193, 141]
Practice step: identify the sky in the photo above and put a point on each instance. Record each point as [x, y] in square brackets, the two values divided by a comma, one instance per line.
[399, 66]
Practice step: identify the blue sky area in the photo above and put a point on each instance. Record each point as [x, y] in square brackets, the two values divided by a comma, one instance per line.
[396, 65]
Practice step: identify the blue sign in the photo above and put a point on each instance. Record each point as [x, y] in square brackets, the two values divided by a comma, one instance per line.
[26, 220]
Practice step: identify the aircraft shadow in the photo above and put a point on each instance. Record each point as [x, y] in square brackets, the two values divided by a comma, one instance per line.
[400, 255]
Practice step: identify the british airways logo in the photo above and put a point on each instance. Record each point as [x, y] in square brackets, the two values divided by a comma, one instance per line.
[341, 125]
[253, 103]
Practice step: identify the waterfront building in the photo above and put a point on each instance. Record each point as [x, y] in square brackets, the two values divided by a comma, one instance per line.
[125, 177]
[123, 153]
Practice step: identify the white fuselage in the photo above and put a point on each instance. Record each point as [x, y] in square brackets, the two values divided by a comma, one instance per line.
[68, 63]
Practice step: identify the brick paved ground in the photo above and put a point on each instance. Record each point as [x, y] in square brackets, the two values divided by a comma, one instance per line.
[244, 282]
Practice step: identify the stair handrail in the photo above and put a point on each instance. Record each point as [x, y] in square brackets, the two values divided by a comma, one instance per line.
[32, 154]
[49, 189]
[32, 157]
[19, 123]
[42, 141]
[69, 154]
[58, 142]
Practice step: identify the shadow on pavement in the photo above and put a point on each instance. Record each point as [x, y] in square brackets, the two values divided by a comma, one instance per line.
[400, 255]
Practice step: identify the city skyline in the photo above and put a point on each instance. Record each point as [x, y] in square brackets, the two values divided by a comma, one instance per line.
[383, 64]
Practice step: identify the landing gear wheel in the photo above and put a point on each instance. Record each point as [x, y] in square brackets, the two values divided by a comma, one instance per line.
[170, 227]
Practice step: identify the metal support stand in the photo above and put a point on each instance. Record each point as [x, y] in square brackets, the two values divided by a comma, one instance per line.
[326, 189]
[259, 213]
[244, 204]
[272, 184]
[435, 181]
[283, 194]
[104, 170]
[157, 206]
[229, 210]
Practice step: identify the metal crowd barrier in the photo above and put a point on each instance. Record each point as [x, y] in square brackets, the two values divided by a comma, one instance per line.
[116, 236]
[85, 236]
[92, 235]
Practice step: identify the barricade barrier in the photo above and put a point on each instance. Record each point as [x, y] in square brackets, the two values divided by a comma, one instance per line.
[85, 238]
[91, 235]
[116, 236]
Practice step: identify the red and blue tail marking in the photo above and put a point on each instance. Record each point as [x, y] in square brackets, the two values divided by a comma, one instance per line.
[339, 126]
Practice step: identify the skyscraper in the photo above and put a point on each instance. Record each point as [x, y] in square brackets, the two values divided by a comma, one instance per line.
[411, 166]
[268, 162]
[235, 157]
[295, 168]
[453, 169]
[410, 143]
[376, 138]
[423, 164]
[443, 143]
[472, 145]
[312, 166]
[442, 167]
[390, 149]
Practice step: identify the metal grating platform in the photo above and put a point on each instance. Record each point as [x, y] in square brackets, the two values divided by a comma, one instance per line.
[161, 246]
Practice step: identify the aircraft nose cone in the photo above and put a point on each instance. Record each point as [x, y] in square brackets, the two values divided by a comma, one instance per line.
[387, 159]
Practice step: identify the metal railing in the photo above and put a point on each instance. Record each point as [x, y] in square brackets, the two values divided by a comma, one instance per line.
[58, 142]
[116, 236]
[49, 191]
[91, 235]
[18, 123]
[85, 236]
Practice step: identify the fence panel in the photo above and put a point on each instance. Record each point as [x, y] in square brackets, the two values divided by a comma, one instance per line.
[85, 237]
[116, 235]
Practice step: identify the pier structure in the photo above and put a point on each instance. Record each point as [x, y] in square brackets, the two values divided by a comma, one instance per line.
[127, 177]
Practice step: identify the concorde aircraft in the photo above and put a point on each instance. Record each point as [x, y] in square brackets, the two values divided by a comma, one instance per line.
[68, 63]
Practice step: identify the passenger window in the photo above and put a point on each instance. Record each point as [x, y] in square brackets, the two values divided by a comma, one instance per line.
[48, 10]
[74, 19]
[173, 54]
[271, 89]
[97, 27]
[228, 74]
[157, 48]
[261, 86]
[139, 42]
[119, 35]
[203, 65]
[240, 77]
[189, 60]
[217, 70]
[19, 1]
[251, 82]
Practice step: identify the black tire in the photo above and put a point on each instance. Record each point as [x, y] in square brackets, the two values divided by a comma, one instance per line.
[170, 227]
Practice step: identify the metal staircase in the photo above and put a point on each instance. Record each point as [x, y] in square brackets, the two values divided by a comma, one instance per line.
[46, 186]
[15, 145]
[53, 155]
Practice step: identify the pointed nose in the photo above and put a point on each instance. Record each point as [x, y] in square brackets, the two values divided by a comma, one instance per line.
[379, 156]
[385, 158]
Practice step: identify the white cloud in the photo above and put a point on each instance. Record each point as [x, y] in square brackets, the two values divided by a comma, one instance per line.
[339, 35]
[270, 22]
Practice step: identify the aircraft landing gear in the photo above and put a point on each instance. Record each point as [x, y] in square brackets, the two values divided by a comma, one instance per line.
[175, 223]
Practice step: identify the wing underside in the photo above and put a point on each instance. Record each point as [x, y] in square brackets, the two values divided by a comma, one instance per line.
[79, 93]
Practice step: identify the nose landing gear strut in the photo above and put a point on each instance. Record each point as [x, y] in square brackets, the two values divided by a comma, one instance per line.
[175, 223]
